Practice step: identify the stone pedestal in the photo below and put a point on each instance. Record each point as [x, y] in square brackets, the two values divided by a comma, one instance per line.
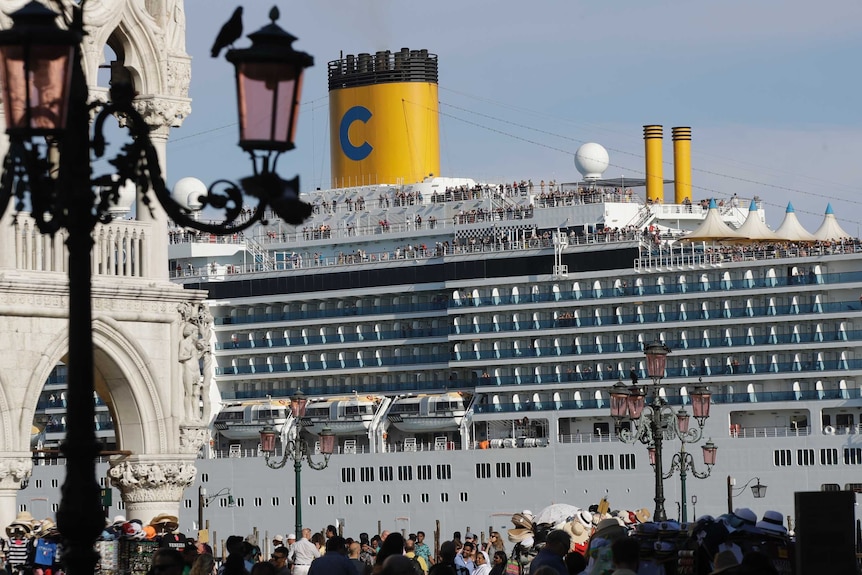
[14, 468]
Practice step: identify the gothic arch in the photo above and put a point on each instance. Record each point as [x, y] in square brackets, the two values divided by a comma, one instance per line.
[8, 442]
[123, 370]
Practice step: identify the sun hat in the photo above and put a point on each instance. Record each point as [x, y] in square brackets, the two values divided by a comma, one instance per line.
[609, 527]
[723, 561]
[772, 522]
[278, 538]
[747, 516]
[585, 517]
[292, 536]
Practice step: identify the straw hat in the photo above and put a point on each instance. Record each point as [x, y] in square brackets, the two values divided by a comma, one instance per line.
[608, 528]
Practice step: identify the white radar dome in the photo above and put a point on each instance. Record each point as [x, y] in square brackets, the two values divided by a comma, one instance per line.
[187, 192]
[591, 160]
[123, 204]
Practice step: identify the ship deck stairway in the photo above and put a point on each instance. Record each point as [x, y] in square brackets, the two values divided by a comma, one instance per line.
[262, 259]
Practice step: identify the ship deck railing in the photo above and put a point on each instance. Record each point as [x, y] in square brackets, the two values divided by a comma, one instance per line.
[737, 431]
[707, 254]
[588, 294]
[288, 259]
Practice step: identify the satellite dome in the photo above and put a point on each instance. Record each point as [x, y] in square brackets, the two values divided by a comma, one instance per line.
[591, 160]
[123, 204]
[187, 192]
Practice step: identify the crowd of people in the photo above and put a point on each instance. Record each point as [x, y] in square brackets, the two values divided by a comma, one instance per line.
[559, 540]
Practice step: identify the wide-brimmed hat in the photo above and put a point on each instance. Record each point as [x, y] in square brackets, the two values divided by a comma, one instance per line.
[23, 522]
[518, 534]
[576, 529]
[165, 522]
[723, 561]
[608, 528]
[585, 517]
[523, 521]
[118, 519]
[772, 522]
[44, 527]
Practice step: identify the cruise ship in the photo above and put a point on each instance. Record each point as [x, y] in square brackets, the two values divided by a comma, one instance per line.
[461, 338]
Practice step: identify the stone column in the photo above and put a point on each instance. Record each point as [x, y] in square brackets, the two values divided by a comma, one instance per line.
[160, 113]
[150, 485]
[15, 467]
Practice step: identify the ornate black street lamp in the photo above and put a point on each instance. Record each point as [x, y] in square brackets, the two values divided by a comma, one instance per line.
[48, 169]
[758, 490]
[652, 424]
[296, 449]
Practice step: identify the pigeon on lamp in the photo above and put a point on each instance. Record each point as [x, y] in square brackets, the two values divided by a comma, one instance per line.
[229, 33]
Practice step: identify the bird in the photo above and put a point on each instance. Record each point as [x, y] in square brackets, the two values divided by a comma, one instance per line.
[229, 33]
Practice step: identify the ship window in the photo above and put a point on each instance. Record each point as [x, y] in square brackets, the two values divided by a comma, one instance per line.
[274, 502]
[366, 474]
[405, 408]
[348, 500]
[348, 475]
[627, 460]
[317, 412]
[444, 471]
[330, 500]
[385, 498]
[781, 457]
[258, 501]
[385, 473]
[444, 498]
[830, 487]
[187, 503]
[405, 498]
[606, 462]
[353, 410]
[426, 498]
[852, 455]
[805, 457]
[483, 470]
[463, 497]
[857, 487]
[120, 505]
[446, 406]
[405, 473]
[55, 483]
[366, 499]
[829, 456]
[504, 469]
[55, 507]
[38, 484]
[524, 469]
[239, 502]
[205, 477]
[229, 416]
[585, 462]
[423, 472]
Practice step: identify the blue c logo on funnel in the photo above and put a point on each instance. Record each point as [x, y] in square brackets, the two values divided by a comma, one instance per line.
[354, 114]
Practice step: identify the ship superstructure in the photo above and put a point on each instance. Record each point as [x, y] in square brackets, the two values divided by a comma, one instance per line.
[460, 337]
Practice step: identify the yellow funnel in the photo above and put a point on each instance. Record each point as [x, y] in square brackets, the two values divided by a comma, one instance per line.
[681, 164]
[384, 125]
[654, 166]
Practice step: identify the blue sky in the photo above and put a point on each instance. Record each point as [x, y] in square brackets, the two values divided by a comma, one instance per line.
[771, 90]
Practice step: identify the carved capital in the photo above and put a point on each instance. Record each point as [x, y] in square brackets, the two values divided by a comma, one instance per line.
[161, 112]
[14, 470]
[145, 481]
[192, 438]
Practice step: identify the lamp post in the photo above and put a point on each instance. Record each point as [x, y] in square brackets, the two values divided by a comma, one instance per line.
[758, 490]
[48, 169]
[296, 449]
[204, 501]
[653, 423]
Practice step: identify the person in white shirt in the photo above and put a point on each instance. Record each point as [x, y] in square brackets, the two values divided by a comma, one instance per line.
[304, 552]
